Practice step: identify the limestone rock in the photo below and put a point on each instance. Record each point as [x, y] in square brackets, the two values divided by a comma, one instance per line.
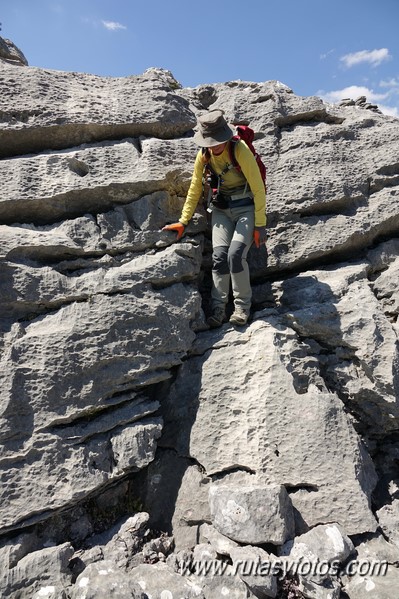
[338, 308]
[46, 187]
[29, 290]
[228, 587]
[100, 312]
[376, 547]
[102, 580]
[204, 552]
[96, 377]
[326, 542]
[298, 437]
[158, 578]
[388, 518]
[220, 543]
[11, 54]
[176, 496]
[384, 274]
[252, 514]
[377, 586]
[56, 109]
[327, 589]
[127, 541]
[41, 573]
[251, 565]
[315, 557]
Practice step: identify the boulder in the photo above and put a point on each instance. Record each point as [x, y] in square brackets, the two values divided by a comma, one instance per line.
[11, 54]
[376, 547]
[41, 573]
[327, 542]
[220, 543]
[338, 308]
[388, 518]
[252, 514]
[159, 582]
[175, 493]
[315, 558]
[251, 565]
[287, 430]
[377, 585]
[102, 580]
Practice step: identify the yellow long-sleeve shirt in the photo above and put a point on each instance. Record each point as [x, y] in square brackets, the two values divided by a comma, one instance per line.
[231, 180]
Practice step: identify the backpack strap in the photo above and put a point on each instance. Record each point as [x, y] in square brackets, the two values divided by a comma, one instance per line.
[232, 152]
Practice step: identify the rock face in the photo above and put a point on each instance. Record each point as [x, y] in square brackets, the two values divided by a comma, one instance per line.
[250, 446]
[11, 54]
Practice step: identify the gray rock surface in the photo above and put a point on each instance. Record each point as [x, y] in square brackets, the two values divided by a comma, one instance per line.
[159, 581]
[252, 514]
[378, 548]
[45, 187]
[41, 573]
[388, 518]
[229, 587]
[11, 54]
[327, 542]
[316, 557]
[250, 564]
[109, 378]
[287, 430]
[373, 586]
[220, 543]
[103, 580]
[54, 109]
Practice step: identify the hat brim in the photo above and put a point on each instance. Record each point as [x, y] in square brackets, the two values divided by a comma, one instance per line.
[223, 134]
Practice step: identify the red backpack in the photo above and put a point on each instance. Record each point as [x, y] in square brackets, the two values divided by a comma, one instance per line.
[246, 134]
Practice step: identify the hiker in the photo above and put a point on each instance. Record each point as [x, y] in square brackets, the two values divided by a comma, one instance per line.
[238, 214]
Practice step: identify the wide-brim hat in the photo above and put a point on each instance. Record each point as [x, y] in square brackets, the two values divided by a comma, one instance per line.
[212, 129]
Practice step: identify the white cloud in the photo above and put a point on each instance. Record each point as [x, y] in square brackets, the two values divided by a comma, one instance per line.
[327, 54]
[390, 83]
[353, 91]
[390, 110]
[112, 25]
[372, 57]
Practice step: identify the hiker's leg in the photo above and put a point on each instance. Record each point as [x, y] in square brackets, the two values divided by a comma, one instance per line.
[222, 233]
[237, 256]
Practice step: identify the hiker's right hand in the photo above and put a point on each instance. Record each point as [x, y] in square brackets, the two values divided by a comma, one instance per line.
[178, 227]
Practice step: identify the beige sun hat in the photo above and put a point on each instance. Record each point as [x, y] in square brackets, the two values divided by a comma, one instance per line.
[212, 129]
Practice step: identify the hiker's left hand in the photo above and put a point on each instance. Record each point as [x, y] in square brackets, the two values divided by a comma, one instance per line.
[259, 236]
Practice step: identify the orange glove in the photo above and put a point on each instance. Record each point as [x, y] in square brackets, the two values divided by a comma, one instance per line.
[259, 236]
[178, 227]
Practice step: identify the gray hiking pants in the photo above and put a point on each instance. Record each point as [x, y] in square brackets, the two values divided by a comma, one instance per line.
[232, 235]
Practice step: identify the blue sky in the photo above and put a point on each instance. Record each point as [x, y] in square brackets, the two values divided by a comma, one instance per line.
[333, 49]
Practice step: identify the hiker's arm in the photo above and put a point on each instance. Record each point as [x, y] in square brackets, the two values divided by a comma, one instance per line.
[194, 192]
[251, 172]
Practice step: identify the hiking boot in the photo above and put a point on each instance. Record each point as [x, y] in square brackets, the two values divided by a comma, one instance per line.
[239, 317]
[217, 319]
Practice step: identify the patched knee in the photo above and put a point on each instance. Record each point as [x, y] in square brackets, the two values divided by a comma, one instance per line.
[235, 256]
[219, 260]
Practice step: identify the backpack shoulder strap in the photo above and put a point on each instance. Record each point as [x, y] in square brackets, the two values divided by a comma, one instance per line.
[232, 152]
